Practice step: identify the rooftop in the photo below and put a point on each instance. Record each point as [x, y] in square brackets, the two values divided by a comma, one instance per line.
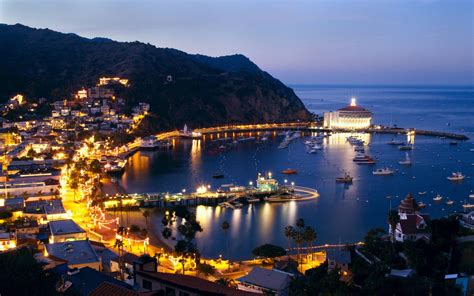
[269, 279]
[64, 227]
[87, 281]
[74, 252]
[199, 285]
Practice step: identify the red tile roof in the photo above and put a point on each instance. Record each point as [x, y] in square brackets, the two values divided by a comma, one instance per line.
[106, 289]
[411, 225]
[194, 284]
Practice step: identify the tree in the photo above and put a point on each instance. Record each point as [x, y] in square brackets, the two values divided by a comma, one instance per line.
[119, 245]
[205, 269]
[23, 275]
[146, 214]
[185, 247]
[269, 251]
[289, 234]
[393, 218]
[309, 236]
[225, 226]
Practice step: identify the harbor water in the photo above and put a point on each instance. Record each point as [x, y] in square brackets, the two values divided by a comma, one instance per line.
[342, 213]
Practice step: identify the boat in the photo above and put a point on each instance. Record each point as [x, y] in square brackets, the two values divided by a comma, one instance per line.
[422, 192]
[237, 204]
[359, 148]
[312, 151]
[456, 176]
[468, 206]
[218, 176]
[421, 205]
[317, 147]
[383, 172]
[289, 172]
[393, 142]
[405, 147]
[346, 179]
[406, 161]
[449, 202]
[437, 197]
[362, 158]
[471, 195]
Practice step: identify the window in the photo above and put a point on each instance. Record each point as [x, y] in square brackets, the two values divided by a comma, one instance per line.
[146, 284]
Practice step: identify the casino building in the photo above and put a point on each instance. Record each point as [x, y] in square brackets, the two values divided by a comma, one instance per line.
[351, 117]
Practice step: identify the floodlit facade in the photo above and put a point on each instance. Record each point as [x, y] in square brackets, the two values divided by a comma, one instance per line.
[351, 117]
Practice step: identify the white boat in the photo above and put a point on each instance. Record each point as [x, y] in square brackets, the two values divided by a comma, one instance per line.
[362, 158]
[312, 151]
[406, 161]
[471, 195]
[437, 197]
[422, 192]
[383, 172]
[421, 205]
[449, 202]
[468, 206]
[317, 147]
[456, 176]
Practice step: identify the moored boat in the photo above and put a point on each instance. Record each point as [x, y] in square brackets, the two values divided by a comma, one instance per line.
[361, 158]
[437, 197]
[383, 172]
[456, 176]
[346, 179]
[289, 171]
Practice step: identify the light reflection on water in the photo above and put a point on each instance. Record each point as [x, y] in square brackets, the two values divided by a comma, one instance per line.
[341, 213]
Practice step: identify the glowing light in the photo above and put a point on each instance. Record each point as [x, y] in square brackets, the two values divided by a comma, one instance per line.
[353, 102]
[201, 189]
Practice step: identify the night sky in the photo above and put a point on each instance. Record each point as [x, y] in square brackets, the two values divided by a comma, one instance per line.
[325, 42]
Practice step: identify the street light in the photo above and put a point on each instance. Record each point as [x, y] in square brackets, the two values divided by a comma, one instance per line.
[250, 183]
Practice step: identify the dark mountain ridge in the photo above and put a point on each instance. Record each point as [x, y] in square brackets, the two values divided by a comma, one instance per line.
[204, 90]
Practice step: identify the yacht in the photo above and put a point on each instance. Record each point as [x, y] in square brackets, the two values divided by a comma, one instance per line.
[422, 192]
[289, 172]
[346, 179]
[406, 161]
[421, 205]
[362, 158]
[471, 195]
[468, 206]
[383, 172]
[437, 197]
[457, 176]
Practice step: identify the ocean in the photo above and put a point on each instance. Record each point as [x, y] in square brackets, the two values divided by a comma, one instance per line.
[342, 213]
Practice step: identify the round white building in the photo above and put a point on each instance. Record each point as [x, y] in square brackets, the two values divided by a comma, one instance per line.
[351, 117]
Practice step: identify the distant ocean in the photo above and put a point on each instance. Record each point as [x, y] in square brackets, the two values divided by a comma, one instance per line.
[444, 108]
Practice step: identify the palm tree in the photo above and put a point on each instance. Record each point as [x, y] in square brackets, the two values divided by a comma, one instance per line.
[289, 234]
[225, 226]
[393, 218]
[119, 245]
[146, 214]
[309, 236]
[298, 238]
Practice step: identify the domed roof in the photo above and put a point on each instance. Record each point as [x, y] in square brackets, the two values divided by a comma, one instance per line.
[354, 108]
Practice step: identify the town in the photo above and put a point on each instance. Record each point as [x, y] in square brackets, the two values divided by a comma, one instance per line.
[60, 209]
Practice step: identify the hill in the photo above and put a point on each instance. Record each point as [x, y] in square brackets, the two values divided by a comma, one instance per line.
[204, 90]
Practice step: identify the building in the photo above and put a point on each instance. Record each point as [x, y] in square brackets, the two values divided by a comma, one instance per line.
[182, 285]
[412, 225]
[339, 260]
[86, 280]
[264, 280]
[99, 93]
[7, 241]
[65, 230]
[351, 117]
[76, 254]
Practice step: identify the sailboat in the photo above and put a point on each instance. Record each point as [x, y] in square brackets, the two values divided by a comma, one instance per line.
[406, 161]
